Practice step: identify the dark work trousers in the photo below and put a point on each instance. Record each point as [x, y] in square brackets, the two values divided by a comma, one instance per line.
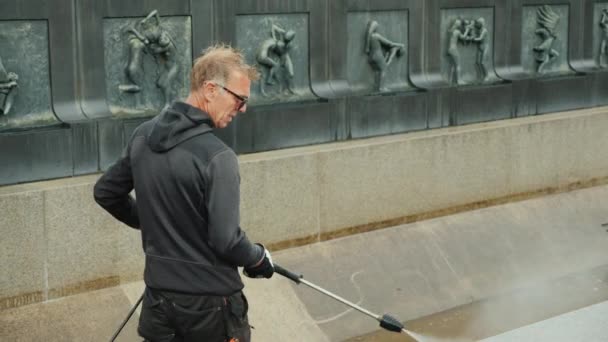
[177, 317]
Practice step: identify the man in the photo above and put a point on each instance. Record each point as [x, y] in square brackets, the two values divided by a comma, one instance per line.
[187, 186]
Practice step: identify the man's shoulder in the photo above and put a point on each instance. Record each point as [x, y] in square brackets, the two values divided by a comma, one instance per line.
[207, 146]
[212, 143]
[144, 127]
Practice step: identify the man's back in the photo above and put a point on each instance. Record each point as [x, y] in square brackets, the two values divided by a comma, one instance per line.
[187, 186]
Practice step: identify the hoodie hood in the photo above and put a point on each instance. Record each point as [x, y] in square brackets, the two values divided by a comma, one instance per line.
[176, 124]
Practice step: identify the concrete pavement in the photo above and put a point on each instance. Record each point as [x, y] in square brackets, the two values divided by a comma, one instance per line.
[412, 271]
[589, 324]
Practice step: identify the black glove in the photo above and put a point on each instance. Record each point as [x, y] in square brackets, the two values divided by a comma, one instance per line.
[263, 269]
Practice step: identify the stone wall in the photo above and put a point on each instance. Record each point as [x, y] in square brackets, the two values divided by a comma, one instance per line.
[56, 241]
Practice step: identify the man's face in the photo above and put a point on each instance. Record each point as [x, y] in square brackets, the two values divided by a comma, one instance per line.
[230, 99]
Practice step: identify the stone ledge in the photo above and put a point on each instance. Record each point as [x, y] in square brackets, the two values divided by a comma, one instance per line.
[434, 214]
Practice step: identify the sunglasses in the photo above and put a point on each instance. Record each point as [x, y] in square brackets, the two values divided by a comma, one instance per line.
[243, 100]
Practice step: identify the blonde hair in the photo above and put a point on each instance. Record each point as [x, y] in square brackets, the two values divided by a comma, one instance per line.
[216, 63]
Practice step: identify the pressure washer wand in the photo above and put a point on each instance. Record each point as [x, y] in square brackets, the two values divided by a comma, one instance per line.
[122, 325]
[387, 322]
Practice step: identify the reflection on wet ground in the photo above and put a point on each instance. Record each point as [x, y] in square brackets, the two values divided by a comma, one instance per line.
[505, 312]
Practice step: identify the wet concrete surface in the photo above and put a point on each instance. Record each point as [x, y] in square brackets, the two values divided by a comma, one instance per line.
[96, 315]
[463, 277]
[507, 312]
[588, 324]
[92, 316]
[471, 275]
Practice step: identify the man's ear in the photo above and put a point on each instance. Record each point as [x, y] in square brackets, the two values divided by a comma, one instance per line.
[209, 90]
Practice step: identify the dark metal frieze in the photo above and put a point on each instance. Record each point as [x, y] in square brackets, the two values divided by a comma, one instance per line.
[147, 62]
[278, 45]
[545, 39]
[25, 87]
[467, 46]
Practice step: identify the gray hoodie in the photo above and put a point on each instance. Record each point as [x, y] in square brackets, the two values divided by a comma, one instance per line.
[187, 186]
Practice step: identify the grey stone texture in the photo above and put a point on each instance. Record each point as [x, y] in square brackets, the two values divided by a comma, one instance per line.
[58, 242]
[81, 239]
[22, 248]
[279, 196]
[379, 179]
[129, 257]
[92, 316]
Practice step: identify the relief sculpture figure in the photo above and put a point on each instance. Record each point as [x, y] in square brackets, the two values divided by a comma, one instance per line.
[547, 21]
[481, 39]
[274, 55]
[137, 43]
[603, 56]
[380, 52]
[149, 37]
[458, 33]
[163, 48]
[8, 89]
[469, 27]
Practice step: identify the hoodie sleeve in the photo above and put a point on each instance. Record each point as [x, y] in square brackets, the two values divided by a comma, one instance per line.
[222, 203]
[112, 190]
